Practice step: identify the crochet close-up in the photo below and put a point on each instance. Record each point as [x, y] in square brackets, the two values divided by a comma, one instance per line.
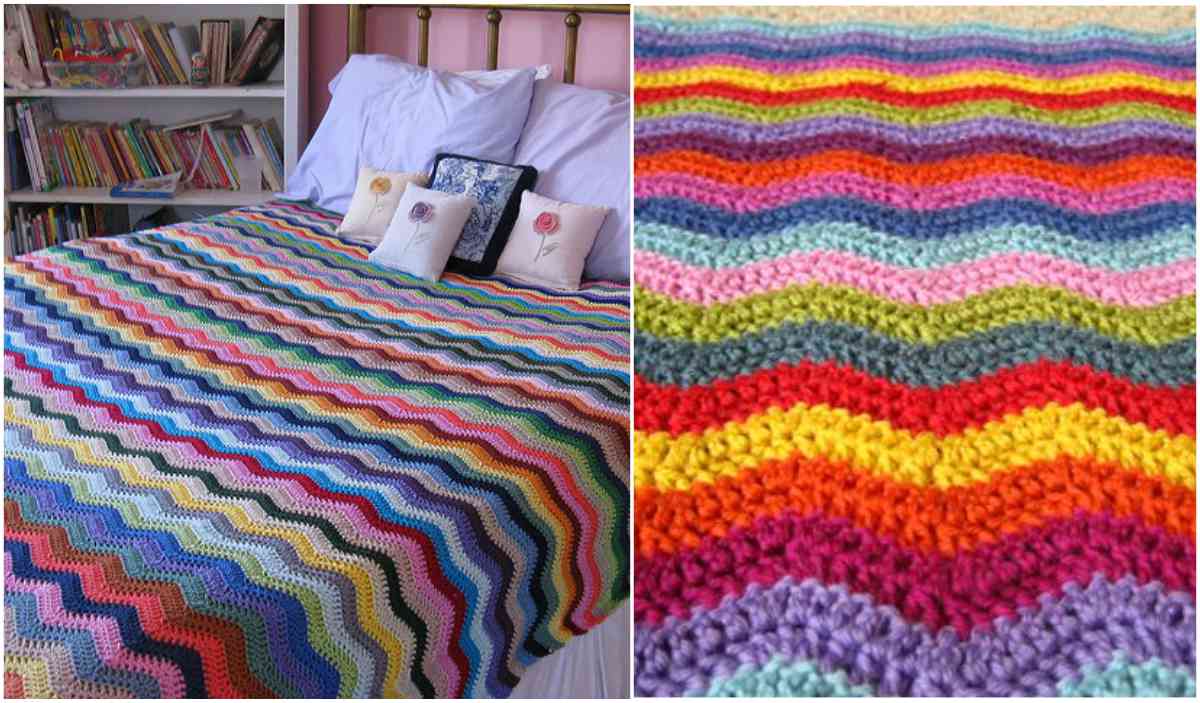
[915, 352]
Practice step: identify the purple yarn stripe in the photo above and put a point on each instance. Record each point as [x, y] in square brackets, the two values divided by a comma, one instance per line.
[652, 64]
[964, 592]
[645, 36]
[818, 128]
[874, 645]
[901, 152]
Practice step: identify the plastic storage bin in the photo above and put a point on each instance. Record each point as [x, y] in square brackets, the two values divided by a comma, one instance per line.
[85, 74]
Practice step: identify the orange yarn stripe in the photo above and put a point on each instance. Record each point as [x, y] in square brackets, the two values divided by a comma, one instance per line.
[924, 518]
[1129, 170]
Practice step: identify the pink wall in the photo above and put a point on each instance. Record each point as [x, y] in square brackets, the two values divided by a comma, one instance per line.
[457, 42]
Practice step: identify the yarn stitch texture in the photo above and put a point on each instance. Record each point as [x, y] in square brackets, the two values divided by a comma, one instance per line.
[243, 461]
[915, 331]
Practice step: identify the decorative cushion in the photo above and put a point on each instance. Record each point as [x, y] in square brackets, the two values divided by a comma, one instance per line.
[397, 117]
[550, 241]
[374, 203]
[423, 231]
[497, 188]
[578, 139]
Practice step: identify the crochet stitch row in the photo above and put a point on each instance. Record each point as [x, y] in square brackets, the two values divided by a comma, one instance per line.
[915, 358]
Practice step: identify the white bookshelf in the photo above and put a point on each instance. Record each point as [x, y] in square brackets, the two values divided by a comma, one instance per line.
[278, 98]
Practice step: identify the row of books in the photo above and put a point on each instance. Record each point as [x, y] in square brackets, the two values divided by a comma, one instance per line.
[33, 227]
[49, 33]
[94, 154]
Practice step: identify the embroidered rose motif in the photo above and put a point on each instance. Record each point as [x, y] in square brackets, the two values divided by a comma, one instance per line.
[420, 213]
[379, 187]
[545, 224]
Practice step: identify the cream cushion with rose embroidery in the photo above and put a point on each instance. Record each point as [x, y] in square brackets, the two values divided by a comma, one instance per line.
[550, 241]
[375, 198]
[423, 232]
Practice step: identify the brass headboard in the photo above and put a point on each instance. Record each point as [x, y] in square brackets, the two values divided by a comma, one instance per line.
[356, 28]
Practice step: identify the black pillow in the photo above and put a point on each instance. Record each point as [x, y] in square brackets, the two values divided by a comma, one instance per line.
[497, 189]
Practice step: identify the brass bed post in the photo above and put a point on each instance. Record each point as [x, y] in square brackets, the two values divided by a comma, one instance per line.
[423, 15]
[356, 30]
[572, 20]
[493, 38]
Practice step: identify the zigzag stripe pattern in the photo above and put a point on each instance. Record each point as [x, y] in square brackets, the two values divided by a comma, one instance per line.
[243, 461]
[915, 388]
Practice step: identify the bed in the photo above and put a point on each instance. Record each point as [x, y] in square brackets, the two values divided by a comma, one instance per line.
[241, 460]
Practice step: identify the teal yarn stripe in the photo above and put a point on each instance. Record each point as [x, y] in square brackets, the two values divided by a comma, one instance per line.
[696, 249]
[803, 679]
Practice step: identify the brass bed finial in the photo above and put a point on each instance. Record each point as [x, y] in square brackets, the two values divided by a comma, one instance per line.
[356, 29]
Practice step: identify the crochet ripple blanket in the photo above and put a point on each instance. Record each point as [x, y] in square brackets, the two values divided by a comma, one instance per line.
[914, 353]
[241, 460]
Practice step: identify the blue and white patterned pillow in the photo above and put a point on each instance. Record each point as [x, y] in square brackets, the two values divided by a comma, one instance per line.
[497, 189]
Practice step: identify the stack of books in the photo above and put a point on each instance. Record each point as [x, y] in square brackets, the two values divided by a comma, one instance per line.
[216, 42]
[49, 32]
[94, 154]
[33, 227]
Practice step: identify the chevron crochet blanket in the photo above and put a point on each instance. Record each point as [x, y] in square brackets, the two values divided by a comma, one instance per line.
[914, 354]
[241, 461]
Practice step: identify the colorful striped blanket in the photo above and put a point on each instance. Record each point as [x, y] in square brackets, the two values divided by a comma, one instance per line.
[915, 356]
[240, 460]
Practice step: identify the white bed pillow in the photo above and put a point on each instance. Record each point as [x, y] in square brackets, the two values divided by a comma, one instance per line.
[374, 203]
[550, 241]
[578, 140]
[395, 116]
[423, 232]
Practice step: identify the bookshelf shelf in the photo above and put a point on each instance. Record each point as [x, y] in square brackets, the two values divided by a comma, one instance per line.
[281, 99]
[206, 198]
[273, 89]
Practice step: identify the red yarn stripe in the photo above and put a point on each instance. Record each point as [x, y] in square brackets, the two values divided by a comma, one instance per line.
[943, 411]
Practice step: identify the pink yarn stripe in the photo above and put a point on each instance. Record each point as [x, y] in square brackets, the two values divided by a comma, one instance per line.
[104, 632]
[749, 199]
[705, 286]
[672, 63]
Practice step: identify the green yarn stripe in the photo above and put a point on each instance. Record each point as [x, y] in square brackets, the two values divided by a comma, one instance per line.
[663, 316]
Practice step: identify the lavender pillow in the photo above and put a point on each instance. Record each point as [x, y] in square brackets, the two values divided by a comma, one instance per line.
[394, 116]
[578, 139]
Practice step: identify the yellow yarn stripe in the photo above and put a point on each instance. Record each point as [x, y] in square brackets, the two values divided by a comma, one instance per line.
[368, 602]
[783, 82]
[820, 431]
[664, 316]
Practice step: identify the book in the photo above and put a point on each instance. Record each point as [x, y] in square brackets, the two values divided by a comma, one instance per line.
[183, 40]
[16, 165]
[259, 53]
[163, 187]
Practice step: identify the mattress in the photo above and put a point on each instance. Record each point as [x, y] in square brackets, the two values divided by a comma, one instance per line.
[241, 460]
[915, 352]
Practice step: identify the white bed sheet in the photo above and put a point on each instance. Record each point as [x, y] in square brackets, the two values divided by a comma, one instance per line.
[593, 665]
